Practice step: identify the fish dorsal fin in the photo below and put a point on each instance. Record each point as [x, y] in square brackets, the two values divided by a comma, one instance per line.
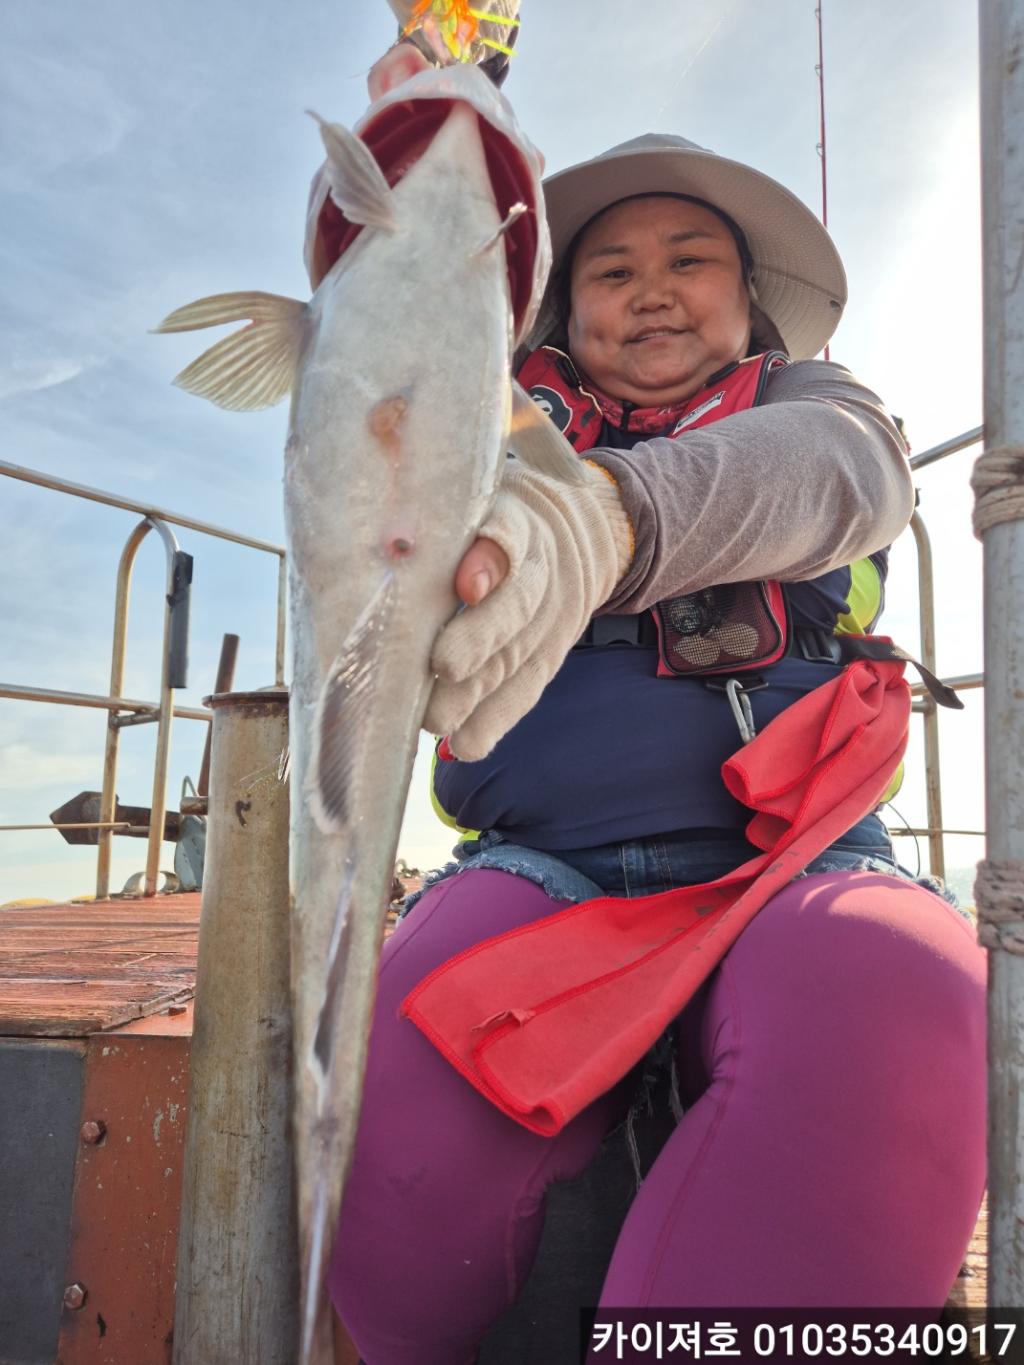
[536, 441]
[251, 369]
[357, 183]
[343, 711]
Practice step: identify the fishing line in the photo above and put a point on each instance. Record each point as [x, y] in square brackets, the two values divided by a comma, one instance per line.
[910, 830]
[696, 56]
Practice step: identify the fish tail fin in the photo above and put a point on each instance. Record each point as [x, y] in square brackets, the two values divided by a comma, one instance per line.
[251, 369]
[357, 182]
[536, 441]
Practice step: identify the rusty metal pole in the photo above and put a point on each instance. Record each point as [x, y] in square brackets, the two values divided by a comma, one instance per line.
[225, 682]
[998, 481]
[238, 1280]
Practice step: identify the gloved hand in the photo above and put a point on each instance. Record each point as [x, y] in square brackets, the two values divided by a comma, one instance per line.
[567, 546]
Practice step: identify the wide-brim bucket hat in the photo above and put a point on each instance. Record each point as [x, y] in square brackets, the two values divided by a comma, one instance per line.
[797, 274]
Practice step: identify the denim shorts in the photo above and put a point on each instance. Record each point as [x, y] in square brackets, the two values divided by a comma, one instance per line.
[643, 867]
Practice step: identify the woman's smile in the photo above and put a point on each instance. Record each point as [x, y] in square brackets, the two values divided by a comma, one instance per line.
[662, 334]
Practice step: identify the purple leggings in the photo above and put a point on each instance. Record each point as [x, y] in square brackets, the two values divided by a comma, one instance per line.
[832, 1152]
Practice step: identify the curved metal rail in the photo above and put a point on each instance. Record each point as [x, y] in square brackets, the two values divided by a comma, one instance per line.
[126, 711]
[924, 703]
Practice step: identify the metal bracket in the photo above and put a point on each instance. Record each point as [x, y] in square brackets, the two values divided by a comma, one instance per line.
[122, 722]
[191, 802]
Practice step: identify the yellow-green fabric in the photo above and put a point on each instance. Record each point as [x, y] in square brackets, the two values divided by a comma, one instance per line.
[864, 599]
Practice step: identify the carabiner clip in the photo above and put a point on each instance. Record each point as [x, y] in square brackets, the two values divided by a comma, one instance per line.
[741, 710]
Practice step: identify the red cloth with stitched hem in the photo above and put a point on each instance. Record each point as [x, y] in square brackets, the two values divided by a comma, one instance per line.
[545, 1018]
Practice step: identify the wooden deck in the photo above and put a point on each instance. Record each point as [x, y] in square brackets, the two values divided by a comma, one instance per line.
[70, 970]
[971, 1285]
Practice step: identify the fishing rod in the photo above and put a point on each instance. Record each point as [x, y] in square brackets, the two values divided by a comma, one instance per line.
[821, 145]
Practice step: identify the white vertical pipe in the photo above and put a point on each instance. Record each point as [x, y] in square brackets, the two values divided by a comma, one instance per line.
[1002, 147]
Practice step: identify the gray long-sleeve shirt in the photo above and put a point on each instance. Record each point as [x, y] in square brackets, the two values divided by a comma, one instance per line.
[814, 478]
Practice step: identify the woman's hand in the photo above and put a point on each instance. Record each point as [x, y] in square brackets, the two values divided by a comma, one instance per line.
[548, 557]
[400, 63]
[484, 567]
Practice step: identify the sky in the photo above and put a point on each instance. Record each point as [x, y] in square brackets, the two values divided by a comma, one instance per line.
[153, 154]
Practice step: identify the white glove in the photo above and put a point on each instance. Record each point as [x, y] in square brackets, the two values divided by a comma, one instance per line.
[568, 545]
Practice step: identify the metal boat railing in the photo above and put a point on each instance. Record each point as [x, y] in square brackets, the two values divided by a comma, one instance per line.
[924, 703]
[124, 712]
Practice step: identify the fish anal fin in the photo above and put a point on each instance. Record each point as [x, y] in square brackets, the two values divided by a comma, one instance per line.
[343, 713]
[536, 441]
[357, 182]
[337, 959]
[251, 369]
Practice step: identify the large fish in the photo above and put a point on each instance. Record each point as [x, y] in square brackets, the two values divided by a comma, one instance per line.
[431, 250]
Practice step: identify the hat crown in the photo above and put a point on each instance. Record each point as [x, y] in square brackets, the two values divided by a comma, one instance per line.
[654, 142]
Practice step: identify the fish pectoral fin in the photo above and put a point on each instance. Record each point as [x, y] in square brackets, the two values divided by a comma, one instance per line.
[251, 369]
[343, 712]
[357, 182]
[536, 441]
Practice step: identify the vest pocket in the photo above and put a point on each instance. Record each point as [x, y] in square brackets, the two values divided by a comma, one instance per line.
[731, 628]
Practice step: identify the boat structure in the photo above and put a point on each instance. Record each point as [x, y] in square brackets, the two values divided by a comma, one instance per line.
[147, 1200]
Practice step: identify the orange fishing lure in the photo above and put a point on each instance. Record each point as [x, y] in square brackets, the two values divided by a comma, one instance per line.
[457, 24]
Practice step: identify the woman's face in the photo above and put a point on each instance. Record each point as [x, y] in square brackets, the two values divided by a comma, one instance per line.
[658, 300]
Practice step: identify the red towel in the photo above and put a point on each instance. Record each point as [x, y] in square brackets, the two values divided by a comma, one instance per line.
[547, 1017]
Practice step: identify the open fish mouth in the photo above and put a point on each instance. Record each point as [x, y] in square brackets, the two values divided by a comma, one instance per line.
[398, 136]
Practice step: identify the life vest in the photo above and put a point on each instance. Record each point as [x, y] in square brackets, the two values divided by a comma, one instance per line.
[553, 382]
[727, 629]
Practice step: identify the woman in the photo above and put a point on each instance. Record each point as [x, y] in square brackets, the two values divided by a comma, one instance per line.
[831, 1148]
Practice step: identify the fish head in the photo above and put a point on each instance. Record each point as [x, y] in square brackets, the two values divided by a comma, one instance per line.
[399, 128]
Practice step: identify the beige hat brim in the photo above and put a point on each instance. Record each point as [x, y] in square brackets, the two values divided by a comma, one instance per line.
[798, 275]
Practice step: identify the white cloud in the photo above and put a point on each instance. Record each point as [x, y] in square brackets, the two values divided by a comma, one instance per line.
[56, 114]
[26, 766]
[32, 376]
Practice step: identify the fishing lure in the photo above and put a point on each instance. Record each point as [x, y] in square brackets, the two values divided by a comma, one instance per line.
[456, 23]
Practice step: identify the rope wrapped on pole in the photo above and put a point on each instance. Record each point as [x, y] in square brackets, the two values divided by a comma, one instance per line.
[998, 483]
[999, 899]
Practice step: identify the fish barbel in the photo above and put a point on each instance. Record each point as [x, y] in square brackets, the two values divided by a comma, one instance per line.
[402, 415]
